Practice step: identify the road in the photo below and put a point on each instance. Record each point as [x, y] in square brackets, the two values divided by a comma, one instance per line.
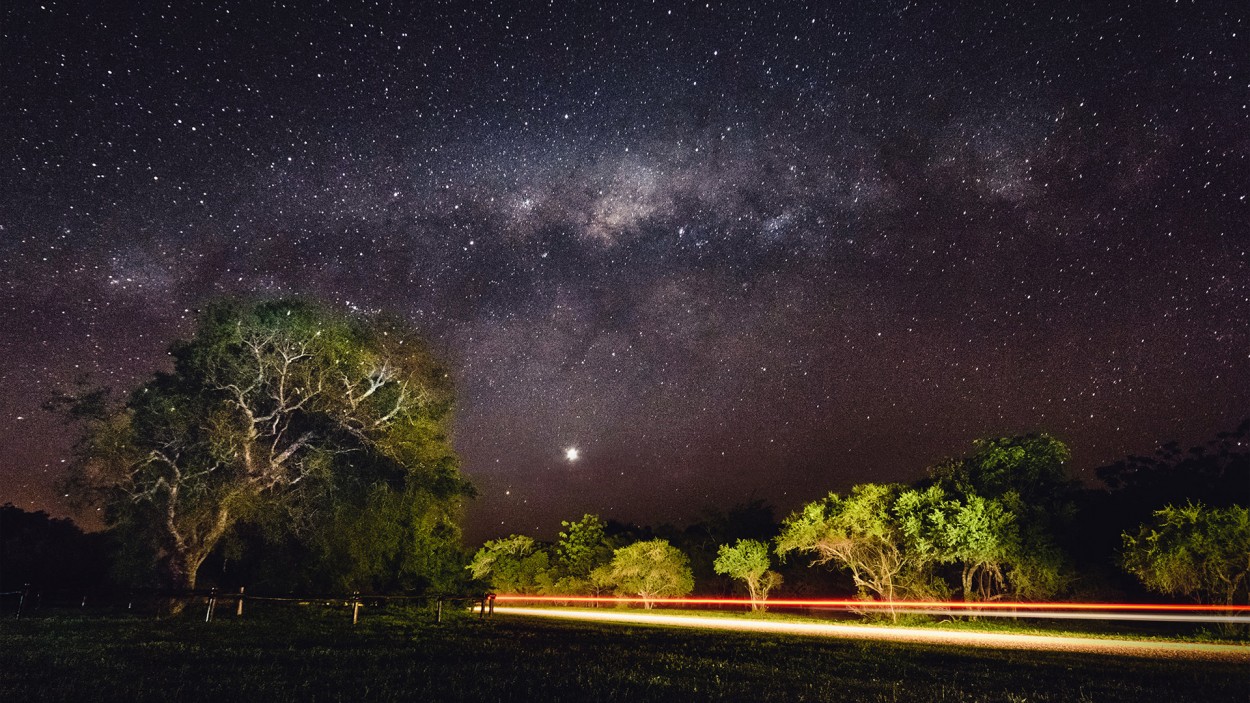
[1143, 648]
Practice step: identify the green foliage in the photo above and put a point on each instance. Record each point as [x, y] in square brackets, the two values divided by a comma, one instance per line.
[747, 561]
[1195, 552]
[650, 569]
[977, 533]
[514, 564]
[574, 565]
[292, 417]
[1031, 465]
[861, 532]
[583, 546]
[892, 539]
[1023, 476]
[402, 540]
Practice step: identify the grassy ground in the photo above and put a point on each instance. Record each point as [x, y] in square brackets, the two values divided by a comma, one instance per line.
[316, 655]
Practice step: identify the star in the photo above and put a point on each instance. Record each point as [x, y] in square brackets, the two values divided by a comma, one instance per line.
[571, 453]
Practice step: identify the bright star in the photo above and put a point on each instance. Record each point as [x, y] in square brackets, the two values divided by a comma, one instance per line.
[571, 453]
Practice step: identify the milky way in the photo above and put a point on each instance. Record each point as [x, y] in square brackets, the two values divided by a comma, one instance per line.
[726, 250]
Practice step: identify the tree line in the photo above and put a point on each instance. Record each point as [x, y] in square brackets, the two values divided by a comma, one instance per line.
[290, 446]
[1003, 522]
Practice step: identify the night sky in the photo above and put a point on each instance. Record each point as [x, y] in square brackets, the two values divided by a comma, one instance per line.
[725, 250]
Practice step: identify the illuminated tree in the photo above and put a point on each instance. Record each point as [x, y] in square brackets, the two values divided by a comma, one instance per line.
[583, 546]
[1025, 476]
[513, 564]
[1031, 465]
[977, 533]
[747, 561]
[286, 414]
[651, 569]
[1195, 552]
[862, 533]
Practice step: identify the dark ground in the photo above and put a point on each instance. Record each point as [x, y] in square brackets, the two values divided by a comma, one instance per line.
[307, 654]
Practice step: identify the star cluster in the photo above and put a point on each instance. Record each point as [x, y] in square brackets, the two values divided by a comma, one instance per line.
[726, 250]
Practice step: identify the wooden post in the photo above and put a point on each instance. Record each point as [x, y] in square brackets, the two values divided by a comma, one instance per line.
[212, 602]
[22, 600]
[238, 612]
[438, 612]
[355, 607]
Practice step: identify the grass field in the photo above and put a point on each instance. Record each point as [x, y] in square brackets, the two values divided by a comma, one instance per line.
[315, 655]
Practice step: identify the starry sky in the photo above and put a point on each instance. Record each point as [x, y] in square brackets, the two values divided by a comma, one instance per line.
[725, 250]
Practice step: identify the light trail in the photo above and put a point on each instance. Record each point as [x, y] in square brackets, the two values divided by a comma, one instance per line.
[1087, 645]
[1220, 613]
[1069, 615]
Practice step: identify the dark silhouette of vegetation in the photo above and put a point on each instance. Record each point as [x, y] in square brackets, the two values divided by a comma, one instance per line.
[1215, 473]
[48, 552]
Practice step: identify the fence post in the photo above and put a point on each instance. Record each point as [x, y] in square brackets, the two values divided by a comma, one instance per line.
[438, 612]
[212, 602]
[355, 607]
[22, 600]
[238, 612]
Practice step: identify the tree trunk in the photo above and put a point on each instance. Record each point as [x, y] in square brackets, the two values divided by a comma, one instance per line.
[180, 573]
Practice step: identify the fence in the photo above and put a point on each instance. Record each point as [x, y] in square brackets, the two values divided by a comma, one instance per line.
[30, 600]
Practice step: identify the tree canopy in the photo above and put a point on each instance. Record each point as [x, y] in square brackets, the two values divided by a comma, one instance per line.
[861, 532]
[514, 564]
[649, 569]
[291, 416]
[747, 560]
[1024, 476]
[1194, 551]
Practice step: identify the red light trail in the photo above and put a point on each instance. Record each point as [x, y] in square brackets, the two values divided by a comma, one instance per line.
[849, 603]
[1147, 612]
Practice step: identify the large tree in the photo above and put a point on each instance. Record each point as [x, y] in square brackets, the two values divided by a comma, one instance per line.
[650, 569]
[977, 534]
[583, 546]
[514, 564]
[1193, 551]
[1025, 475]
[747, 560]
[287, 414]
[862, 532]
